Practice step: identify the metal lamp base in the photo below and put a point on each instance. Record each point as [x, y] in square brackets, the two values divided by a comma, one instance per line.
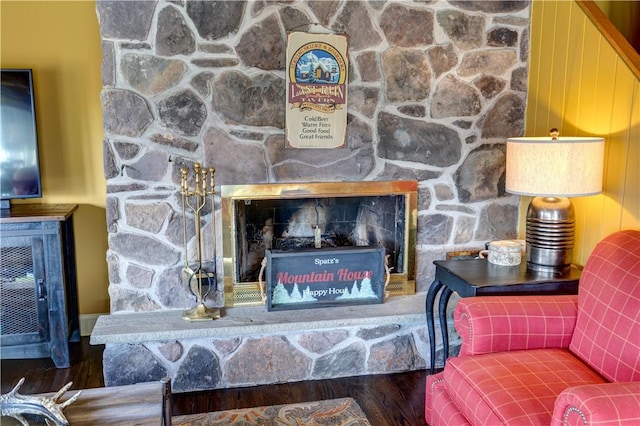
[550, 234]
[201, 312]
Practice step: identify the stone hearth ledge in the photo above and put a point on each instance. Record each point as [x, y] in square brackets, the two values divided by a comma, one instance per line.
[251, 320]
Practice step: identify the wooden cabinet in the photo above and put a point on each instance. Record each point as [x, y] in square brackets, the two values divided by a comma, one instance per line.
[38, 288]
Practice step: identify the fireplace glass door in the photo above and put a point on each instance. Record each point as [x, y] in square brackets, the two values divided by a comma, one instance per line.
[289, 217]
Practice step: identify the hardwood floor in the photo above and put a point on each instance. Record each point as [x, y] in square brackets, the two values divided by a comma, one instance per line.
[387, 400]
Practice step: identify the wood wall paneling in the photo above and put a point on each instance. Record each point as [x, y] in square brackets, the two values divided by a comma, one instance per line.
[579, 83]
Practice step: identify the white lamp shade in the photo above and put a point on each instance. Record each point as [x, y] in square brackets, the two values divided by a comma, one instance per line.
[565, 167]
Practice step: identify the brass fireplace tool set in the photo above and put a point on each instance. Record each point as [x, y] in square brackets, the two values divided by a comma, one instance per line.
[197, 280]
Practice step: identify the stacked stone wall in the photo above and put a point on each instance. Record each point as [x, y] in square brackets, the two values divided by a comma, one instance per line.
[198, 364]
[435, 88]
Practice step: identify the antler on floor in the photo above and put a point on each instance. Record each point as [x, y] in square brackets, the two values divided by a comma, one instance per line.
[14, 404]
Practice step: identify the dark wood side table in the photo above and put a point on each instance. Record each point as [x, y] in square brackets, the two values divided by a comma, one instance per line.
[478, 277]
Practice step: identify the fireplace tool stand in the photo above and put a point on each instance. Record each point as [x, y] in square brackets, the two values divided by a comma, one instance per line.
[198, 280]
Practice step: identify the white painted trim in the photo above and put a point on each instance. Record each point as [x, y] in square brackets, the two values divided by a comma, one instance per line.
[87, 322]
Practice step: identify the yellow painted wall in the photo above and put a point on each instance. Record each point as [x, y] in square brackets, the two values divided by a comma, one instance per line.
[60, 41]
[579, 84]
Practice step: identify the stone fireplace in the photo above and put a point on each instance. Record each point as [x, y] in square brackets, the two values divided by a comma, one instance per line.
[431, 101]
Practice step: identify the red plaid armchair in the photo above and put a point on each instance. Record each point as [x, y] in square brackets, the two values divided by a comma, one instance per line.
[540, 360]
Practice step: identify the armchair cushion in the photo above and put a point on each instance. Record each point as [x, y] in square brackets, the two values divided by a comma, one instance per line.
[506, 323]
[607, 333]
[518, 387]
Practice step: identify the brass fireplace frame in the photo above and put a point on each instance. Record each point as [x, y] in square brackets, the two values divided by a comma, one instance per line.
[248, 293]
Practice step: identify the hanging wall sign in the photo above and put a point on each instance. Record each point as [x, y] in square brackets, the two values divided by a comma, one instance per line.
[316, 90]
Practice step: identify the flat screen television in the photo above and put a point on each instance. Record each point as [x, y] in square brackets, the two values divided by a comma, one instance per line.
[19, 161]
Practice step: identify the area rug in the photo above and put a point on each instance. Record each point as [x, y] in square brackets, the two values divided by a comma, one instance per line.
[334, 412]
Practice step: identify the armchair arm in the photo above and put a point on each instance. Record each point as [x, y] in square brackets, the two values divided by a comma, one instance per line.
[601, 404]
[506, 323]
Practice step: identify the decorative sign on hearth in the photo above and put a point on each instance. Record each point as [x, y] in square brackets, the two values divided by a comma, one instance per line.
[314, 278]
[317, 75]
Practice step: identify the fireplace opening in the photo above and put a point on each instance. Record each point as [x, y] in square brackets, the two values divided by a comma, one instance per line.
[292, 217]
[294, 224]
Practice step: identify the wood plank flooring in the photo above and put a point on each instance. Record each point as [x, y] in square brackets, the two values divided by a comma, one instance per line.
[387, 400]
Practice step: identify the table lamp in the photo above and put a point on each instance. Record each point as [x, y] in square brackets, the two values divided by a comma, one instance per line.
[551, 169]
